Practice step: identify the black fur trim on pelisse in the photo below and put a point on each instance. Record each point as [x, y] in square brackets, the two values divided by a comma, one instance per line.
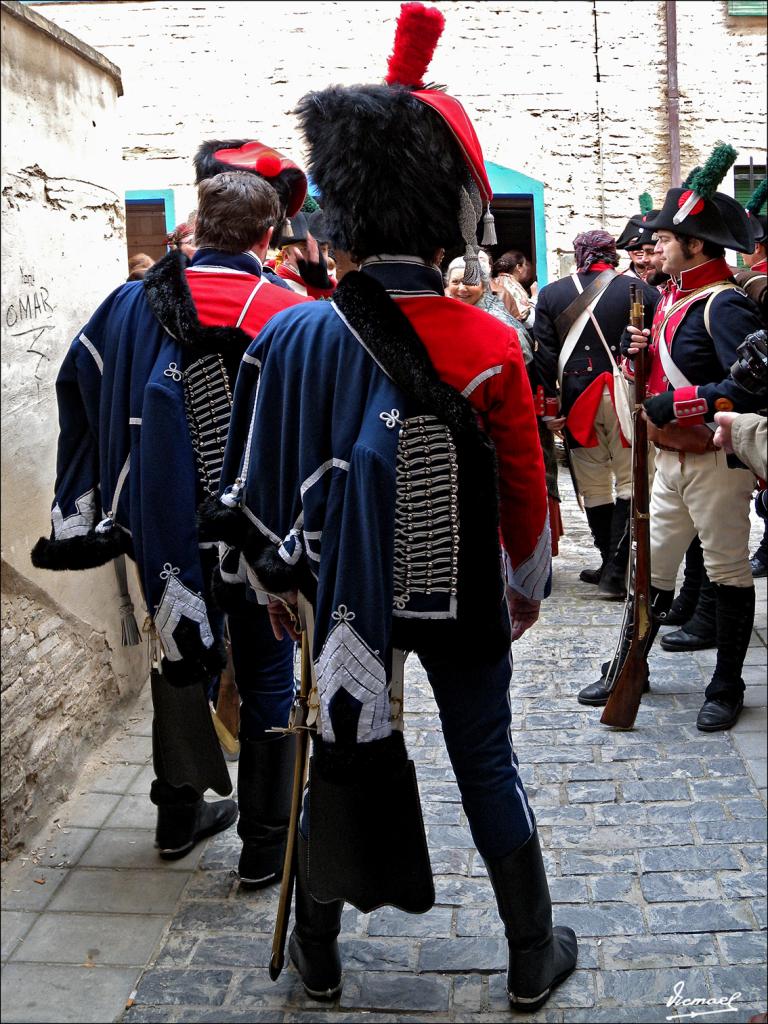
[85, 552]
[275, 575]
[388, 169]
[169, 297]
[219, 522]
[391, 339]
[216, 522]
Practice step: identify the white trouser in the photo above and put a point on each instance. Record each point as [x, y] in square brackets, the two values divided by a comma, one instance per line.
[608, 464]
[700, 494]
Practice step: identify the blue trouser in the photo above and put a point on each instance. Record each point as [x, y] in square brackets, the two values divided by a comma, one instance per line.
[473, 701]
[263, 671]
[263, 667]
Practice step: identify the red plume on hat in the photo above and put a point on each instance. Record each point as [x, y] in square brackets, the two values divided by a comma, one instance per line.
[418, 31]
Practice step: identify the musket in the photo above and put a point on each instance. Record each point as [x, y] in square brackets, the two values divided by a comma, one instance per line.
[627, 690]
[300, 727]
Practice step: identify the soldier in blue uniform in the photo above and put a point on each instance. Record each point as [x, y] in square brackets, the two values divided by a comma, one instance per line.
[701, 320]
[144, 397]
[577, 350]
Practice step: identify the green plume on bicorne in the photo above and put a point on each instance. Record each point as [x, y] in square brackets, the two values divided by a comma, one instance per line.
[310, 206]
[758, 197]
[646, 203]
[691, 173]
[704, 182]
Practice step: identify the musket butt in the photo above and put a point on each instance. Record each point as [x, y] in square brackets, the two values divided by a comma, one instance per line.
[607, 718]
[276, 965]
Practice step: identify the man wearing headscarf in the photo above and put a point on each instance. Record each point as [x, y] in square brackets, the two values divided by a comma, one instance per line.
[365, 479]
[577, 348]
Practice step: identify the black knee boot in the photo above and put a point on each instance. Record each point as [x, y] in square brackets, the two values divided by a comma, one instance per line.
[599, 519]
[264, 786]
[312, 947]
[597, 693]
[613, 581]
[735, 611]
[184, 818]
[699, 632]
[684, 604]
[540, 956]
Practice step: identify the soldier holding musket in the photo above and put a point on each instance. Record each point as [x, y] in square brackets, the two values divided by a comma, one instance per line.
[700, 322]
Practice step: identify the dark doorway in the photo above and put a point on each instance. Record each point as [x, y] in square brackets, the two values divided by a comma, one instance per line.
[145, 227]
[514, 227]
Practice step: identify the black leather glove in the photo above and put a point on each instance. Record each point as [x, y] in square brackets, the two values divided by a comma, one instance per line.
[315, 274]
[661, 408]
[626, 341]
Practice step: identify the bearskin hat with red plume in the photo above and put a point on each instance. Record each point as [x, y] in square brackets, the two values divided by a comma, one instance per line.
[398, 166]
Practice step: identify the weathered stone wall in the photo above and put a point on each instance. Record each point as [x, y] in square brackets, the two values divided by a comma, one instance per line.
[59, 694]
[526, 71]
[63, 252]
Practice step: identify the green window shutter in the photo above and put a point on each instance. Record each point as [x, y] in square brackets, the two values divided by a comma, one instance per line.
[744, 184]
[748, 8]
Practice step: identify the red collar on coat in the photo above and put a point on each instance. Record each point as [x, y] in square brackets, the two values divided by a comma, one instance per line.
[597, 268]
[699, 277]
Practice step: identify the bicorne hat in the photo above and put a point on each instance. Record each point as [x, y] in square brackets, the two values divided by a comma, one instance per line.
[720, 220]
[286, 177]
[294, 230]
[697, 211]
[634, 237]
[398, 166]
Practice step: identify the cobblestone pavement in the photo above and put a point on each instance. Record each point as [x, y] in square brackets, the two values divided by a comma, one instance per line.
[654, 842]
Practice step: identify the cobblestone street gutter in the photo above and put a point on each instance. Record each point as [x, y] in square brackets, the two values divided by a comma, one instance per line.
[654, 841]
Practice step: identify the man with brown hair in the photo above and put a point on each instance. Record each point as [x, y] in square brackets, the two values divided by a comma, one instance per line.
[145, 395]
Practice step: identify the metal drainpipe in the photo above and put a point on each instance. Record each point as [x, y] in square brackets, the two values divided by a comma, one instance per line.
[673, 95]
[598, 110]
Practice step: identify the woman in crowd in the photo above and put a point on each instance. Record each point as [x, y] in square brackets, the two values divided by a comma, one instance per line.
[480, 295]
[513, 281]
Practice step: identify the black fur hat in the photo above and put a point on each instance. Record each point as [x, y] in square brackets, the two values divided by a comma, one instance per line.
[287, 179]
[388, 169]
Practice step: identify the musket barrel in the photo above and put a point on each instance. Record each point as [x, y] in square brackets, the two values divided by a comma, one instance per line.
[624, 700]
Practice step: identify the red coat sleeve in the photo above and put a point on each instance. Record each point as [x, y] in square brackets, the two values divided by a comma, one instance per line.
[506, 403]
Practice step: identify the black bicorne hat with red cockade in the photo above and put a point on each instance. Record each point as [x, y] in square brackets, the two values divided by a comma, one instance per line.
[635, 236]
[398, 165]
[698, 211]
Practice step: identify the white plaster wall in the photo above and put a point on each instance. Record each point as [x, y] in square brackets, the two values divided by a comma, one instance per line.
[63, 252]
[526, 71]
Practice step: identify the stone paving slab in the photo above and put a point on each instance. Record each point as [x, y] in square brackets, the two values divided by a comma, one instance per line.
[654, 842]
